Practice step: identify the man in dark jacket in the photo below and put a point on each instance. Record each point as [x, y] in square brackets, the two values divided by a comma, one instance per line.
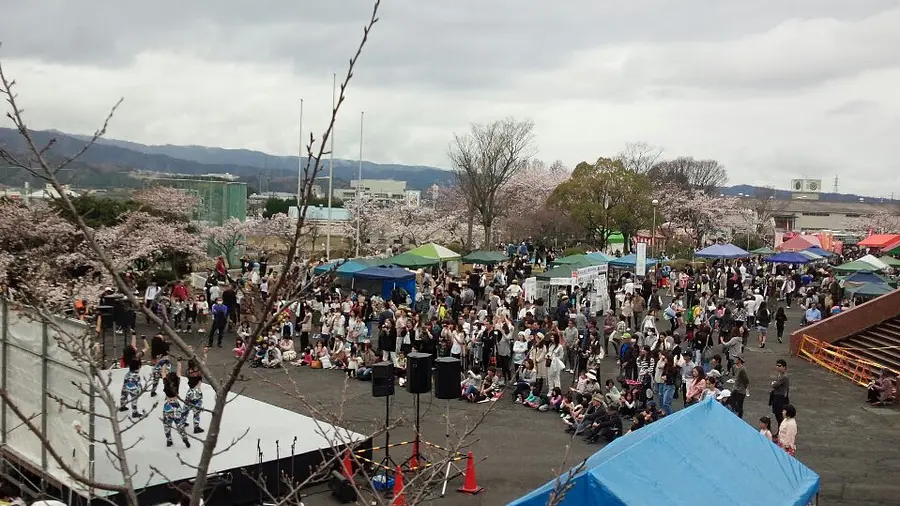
[219, 313]
[607, 427]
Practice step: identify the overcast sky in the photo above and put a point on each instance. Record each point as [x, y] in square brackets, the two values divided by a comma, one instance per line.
[773, 90]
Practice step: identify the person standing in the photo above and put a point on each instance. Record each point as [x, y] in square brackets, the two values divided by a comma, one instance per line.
[779, 397]
[741, 384]
[219, 321]
[787, 431]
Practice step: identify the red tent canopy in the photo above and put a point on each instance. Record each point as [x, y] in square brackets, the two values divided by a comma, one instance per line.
[878, 240]
[796, 243]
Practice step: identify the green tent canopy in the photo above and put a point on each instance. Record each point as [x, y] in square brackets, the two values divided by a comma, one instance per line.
[578, 259]
[869, 290]
[565, 271]
[412, 261]
[893, 262]
[765, 250]
[854, 266]
[435, 251]
[485, 257]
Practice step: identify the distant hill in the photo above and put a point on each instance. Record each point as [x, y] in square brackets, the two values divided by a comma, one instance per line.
[107, 163]
[785, 194]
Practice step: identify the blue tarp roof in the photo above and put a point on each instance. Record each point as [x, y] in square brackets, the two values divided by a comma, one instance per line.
[819, 251]
[722, 251]
[387, 273]
[669, 462]
[630, 261]
[603, 257]
[345, 268]
[788, 257]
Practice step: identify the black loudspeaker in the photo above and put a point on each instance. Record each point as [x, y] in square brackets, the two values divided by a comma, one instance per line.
[341, 488]
[447, 375]
[382, 379]
[107, 316]
[418, 373]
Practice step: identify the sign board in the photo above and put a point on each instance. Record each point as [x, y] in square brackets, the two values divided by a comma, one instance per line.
[589, 273]
[530, 289]
[640, 264]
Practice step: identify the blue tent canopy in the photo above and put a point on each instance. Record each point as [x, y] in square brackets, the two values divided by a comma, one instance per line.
[346, 268]
[788, 257]
[662, 464]
[390, 277]
[722, 251]
[819, 251]
[629, 261]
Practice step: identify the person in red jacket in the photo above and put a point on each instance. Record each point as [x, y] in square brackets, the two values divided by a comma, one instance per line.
[180, 292]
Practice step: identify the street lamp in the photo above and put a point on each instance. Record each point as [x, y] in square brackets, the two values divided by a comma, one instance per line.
[653, 231]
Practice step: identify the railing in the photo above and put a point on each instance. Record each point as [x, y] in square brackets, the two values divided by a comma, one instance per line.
[841, 361]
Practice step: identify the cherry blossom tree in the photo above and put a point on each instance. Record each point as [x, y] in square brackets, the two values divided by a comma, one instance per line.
[384, 224]
[696, 211]
[883, 221]
[174, 201]
[525, 201]
[228, 238]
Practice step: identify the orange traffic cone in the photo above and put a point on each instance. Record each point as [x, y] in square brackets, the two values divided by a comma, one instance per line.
[347, 465]
[470, 484]
[414, 460]
[399, 497]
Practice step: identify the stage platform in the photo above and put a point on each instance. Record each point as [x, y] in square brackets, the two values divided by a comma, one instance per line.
[271, 441]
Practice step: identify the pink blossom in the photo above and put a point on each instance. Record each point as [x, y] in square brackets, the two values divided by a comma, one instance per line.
[169, 200]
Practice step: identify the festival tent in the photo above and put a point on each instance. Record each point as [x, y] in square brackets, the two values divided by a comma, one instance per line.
[390, 277]
[763, 251]
[868, 290]
[891, 261]
[603, 257]
[661, 462]
[579, 259]
[722, 251]
[892, 248]
[878, 240]
[874, 262]
[796, 243]
[432, 250]
[788, 257]
[854, 266]
[867, 277]
[630, 261]
[348, 267]
[485, 257]
[810, 255]
[819, 251]
[412, 261]
[565, 271]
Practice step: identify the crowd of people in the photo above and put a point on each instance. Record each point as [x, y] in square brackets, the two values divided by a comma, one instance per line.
[673, 335]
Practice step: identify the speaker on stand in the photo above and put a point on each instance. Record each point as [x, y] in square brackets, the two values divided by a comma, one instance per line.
[447, 376]
[418, 381]
[383, 386]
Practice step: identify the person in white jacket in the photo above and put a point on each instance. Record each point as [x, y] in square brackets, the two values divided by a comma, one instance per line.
[555, 353]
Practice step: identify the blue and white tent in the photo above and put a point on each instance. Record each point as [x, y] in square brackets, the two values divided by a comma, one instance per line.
[669, 462]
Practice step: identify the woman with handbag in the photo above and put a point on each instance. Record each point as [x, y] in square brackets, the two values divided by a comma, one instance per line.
[555, 364]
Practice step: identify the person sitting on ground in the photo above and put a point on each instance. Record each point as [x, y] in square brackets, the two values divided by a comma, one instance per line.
[400, 367]
[287, 349]
[881, 390]
[609, 428]
[273, 357]
[472, 383]
[533, 400]
[613, 395]
[367, 359]
[527, 378]
[260, 351]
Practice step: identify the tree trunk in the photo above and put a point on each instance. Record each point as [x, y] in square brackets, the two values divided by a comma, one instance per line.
[487, 237]
[626, 244]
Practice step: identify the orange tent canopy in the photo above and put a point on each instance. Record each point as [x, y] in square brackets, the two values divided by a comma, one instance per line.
[796, 243]
[878, 240]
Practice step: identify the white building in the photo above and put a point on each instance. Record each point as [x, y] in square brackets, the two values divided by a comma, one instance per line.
[50, 193]
[379, 190]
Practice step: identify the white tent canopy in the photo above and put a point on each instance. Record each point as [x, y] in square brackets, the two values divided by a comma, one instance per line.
[874, 262]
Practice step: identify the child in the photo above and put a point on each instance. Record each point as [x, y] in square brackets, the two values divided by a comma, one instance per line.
[400, 368]
[173, 413]
[240, 347]
[534, 399]
[765, 427]
[202, 313]
[260, 352]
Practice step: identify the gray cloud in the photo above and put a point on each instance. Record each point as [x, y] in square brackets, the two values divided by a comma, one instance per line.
[768, 87]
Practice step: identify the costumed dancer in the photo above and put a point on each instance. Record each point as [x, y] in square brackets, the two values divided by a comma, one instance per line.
[131, 383]
[193, 400]
[173, 412]
[159, 353]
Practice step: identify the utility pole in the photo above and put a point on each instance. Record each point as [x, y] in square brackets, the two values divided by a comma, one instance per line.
[330, 171]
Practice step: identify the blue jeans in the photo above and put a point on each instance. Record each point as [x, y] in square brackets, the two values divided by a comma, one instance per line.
[668, 394]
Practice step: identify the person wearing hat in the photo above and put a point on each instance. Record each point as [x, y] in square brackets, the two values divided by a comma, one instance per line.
[593, 411]
[741, 384]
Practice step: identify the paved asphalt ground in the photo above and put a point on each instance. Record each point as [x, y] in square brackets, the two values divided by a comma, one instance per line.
[853, 447]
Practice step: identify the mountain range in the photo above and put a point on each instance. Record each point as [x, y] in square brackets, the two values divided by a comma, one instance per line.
[111, 163]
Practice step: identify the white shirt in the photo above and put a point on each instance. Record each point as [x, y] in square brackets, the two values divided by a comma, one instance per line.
[629, 287]
[151, 293]
[513, 291]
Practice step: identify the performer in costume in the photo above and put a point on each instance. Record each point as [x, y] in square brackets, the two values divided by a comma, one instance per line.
[131, 383]
[159, 353]
[193, 400]
[173, 412]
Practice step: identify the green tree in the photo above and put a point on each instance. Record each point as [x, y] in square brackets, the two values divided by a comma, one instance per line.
[275, 206]
[604, 197]
[97, 211]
